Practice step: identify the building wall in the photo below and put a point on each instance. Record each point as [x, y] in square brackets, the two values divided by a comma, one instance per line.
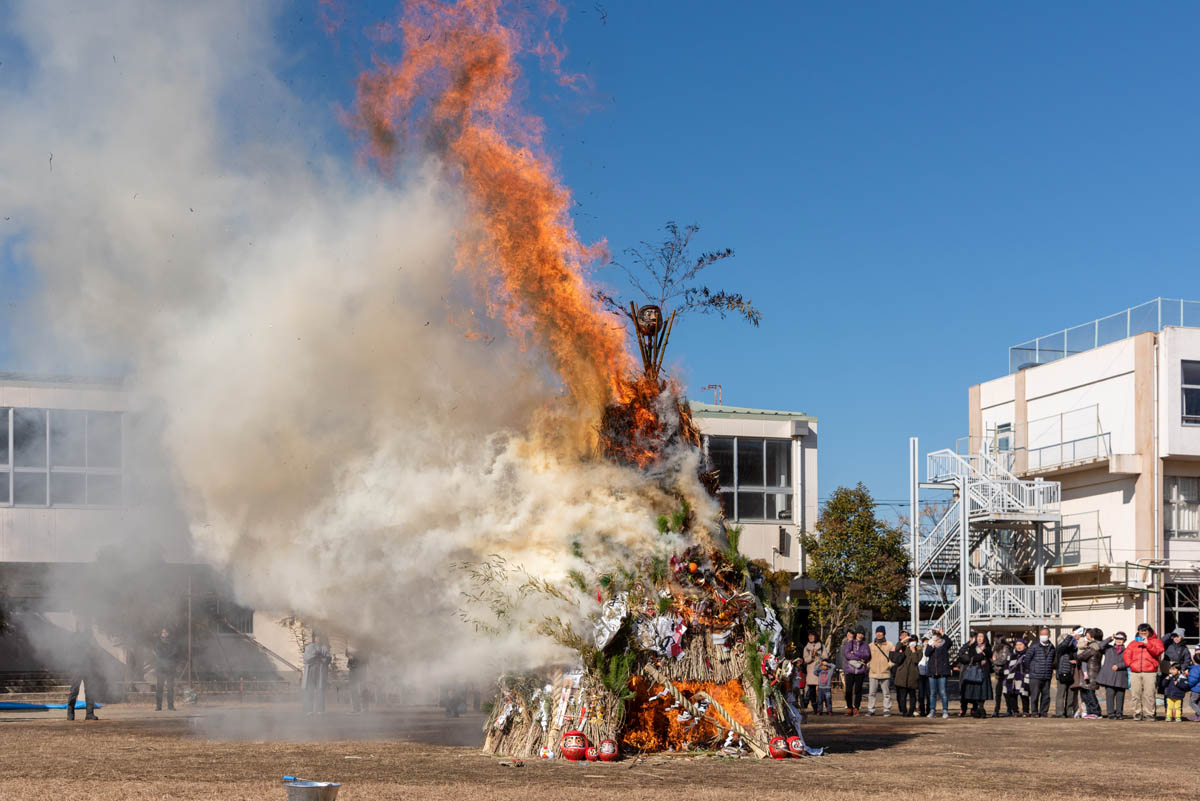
[1119, 498]
[759, 540]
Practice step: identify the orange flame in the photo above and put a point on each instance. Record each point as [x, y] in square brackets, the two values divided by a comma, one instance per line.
[454, 88]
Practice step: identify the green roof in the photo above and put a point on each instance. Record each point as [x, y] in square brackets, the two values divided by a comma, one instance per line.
[700, 409]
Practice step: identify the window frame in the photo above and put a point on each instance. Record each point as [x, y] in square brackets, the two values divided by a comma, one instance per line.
[1185, 418]
[735, 488]
[10, 469]
[1171, 504]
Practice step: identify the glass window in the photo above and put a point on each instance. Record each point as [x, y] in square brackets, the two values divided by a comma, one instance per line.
[29, 438]
[779, 506]
[720, 456]
[750, 506]
[67, 488]
[779, 463]
[760, 488]
[1182, 609]
[67, 434]
[103, 490]
[1181, 504]
[1191, 393]
[749, 462]
[3, 488]
[104, 439]
[4, 439]
[29, 489]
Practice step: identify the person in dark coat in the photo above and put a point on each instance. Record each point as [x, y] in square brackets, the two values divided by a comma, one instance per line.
[977, 653]
[1039, 664]
[937, 670]
[908, 677]
[1016, 681]
[923, 685]
[1089, 659]
[317, 658]
[1066, 699]
[166, 657]
[1176, 652]
[83, 672]
[356, 666]
[1000, 654]
[1114, 676]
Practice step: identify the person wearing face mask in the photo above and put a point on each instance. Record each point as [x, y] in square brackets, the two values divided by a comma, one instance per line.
[975, 659]
[1114, 676]
[1039, 665]
[880, 672]
[1141, 657]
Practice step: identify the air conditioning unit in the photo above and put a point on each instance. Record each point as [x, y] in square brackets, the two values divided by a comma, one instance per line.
[1135, 584]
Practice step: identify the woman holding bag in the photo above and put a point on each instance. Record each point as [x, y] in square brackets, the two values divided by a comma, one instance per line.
[974, 678]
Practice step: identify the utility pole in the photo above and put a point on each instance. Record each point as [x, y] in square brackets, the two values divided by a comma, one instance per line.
[189, 626]
[914, 529]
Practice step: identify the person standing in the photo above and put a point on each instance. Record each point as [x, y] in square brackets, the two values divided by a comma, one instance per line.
[317, 658]
[1175, 651]
[825, 688]
[813, 654]
[83, 672]
[1141, 657]
[166, 655]
[856, 654]
[1175, 688]
[923, 684]
[1066, 698]
[1016, 680]
[1114, 676]
[356, 666]
[908, 677]
[1039, 665]
[1089, 660]
[975, 678]
[938, 670]
[1193, 680]
[880, 672]
[1000, 655]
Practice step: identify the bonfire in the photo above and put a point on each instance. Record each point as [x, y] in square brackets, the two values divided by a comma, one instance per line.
[686, 651]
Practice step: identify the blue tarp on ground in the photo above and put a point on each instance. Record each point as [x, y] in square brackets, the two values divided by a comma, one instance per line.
[9, 706]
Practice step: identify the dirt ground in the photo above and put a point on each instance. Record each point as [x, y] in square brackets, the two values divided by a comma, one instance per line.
[240, 753]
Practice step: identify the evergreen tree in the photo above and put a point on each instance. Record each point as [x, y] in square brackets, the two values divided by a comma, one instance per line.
[858, 562]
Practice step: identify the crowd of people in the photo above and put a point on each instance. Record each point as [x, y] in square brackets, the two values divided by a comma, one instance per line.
[1019, 674]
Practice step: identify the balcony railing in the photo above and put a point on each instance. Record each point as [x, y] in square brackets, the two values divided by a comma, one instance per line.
[1084, 449]
[1151, 316]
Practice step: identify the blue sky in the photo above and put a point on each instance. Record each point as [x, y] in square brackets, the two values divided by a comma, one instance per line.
[910, 189]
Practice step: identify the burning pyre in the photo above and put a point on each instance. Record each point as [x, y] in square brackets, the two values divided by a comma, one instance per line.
[682, 647]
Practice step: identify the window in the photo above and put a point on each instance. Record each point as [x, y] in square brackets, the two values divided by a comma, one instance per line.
[1181, 507]
[1191, 393]
[60, 457]
[236, 617]
[755, 477]
[1181, 609]
[1004, 437]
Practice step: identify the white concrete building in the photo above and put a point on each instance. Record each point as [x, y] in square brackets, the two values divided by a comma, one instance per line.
[1111, 410]
[768, 476]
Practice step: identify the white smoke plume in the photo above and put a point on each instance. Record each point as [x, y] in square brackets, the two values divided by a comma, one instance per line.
[336, 440]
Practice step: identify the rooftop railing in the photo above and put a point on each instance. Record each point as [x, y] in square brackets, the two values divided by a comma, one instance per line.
[1151, 316]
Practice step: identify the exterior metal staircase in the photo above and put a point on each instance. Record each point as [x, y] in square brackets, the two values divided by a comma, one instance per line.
[978, 548]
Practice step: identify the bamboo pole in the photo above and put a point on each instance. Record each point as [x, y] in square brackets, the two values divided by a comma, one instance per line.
[662, 347]
[637, 334]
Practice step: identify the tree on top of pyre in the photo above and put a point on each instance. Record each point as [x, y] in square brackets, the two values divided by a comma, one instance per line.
[650, 416]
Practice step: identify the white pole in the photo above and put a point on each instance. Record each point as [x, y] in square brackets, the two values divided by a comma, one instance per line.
[914, 528]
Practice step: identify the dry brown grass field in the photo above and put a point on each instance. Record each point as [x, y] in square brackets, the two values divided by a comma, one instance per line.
[239, 753]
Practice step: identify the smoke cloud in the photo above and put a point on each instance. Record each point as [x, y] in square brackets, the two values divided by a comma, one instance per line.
[343, 422]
